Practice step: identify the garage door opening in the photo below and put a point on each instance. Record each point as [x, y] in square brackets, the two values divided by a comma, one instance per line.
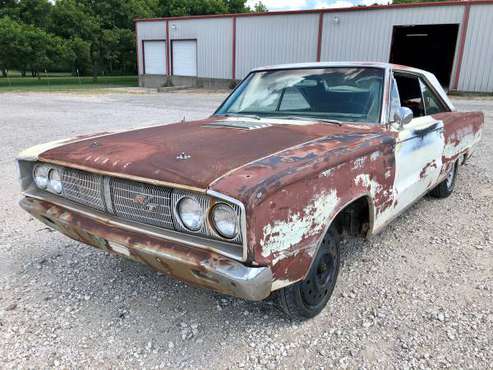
[184, 59]
[429, 47]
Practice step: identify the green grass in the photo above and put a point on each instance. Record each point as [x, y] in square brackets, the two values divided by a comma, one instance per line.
[58, 83]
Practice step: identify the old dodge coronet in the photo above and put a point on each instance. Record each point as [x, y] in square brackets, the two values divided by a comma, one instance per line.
[253, 200]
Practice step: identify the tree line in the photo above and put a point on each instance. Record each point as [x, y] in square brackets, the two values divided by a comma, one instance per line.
[86, 37]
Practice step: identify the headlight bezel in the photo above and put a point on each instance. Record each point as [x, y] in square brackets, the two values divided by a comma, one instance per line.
[48, 170]
[180, 215]
[215, 225]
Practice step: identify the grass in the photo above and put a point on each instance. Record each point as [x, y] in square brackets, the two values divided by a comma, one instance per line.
[60, 82]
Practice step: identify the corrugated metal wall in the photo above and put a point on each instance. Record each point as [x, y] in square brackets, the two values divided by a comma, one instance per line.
[367, 35]
[148, 31]
[214, 44]
[477, 63]
[347, 35]
[276, 39]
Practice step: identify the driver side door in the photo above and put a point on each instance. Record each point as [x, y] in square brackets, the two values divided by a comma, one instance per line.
[419, 144]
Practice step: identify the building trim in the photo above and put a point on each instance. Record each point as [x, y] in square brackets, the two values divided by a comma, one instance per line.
[168, 71]
[233, 59]
[462, 42]
[320, 35]
[324, 11]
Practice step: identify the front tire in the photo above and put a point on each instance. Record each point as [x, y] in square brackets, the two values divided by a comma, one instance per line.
[446, 187]
[307, 298]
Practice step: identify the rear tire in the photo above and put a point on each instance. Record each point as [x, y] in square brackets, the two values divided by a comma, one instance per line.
[446, 187]
[307, 298]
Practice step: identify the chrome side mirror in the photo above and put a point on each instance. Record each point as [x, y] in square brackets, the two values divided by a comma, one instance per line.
[403, 116]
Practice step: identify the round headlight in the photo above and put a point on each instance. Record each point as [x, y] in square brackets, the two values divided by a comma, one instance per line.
[191, 214]
[54, 181]
[225, 220]
[41, 176]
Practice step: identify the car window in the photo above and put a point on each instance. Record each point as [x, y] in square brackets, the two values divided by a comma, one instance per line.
[344, 94]
[433, 105]
[293, 99]
[410, 93]
[395, 100]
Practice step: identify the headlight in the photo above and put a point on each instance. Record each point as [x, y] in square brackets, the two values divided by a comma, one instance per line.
[41, 176]
[54, 181]
[191, 214]
[225, 220]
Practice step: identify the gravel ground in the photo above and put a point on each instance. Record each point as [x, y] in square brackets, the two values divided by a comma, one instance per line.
[419, 295]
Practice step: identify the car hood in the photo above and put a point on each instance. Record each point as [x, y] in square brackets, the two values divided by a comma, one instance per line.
[191, 154]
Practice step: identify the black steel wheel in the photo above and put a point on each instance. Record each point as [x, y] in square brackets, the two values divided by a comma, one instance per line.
[446, 187]
[308, 298]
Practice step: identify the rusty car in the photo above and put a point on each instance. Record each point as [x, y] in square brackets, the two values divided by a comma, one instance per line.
[254, 200]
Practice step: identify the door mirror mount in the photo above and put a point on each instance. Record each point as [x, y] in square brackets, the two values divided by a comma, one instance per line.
[403, 116]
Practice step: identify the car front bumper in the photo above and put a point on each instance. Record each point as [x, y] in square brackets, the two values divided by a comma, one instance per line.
[196, 266]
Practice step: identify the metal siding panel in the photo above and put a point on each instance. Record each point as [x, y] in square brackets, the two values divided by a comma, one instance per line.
[275, 39]
[214, 44]
[367, 35]
[476, 73]
[148, 31]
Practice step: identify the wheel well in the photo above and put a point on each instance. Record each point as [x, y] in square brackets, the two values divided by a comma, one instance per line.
[354, 219]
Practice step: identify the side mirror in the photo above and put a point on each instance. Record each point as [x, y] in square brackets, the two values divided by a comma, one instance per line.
[403, 116]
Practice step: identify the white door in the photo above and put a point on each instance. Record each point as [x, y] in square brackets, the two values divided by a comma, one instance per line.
[185, 57]
[154, 57]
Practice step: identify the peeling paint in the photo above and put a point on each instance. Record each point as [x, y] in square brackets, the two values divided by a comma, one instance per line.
[281, 235]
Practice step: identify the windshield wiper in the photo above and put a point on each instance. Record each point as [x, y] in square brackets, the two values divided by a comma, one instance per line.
[254, 116]
[306, 118]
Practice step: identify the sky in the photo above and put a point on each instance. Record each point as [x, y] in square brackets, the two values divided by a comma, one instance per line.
[274, 5]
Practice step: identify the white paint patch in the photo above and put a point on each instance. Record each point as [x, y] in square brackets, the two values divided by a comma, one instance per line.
[359, 162]
[282, 235]
[467, 139]
[375, 155]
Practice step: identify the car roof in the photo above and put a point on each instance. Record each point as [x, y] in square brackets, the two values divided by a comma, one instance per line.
[382, 65]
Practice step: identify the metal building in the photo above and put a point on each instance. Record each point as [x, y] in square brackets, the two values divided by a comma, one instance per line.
[454, 40]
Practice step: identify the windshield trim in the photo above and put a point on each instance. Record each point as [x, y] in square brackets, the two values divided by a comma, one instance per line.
[384, 91]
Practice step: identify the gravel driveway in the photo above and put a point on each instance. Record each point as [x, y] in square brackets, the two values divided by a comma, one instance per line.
[419, 295]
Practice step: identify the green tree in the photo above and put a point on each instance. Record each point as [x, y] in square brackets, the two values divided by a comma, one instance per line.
[10, 44]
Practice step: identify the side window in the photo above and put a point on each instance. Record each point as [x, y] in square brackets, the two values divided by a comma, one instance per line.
[410, 93]
[433, 105]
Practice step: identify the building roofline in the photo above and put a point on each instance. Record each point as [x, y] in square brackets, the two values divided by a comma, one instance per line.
[327, 10]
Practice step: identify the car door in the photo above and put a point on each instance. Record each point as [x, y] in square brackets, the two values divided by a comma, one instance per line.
[419, 144]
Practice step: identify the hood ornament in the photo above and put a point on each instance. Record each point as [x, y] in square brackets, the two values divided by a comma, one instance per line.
[183, 156]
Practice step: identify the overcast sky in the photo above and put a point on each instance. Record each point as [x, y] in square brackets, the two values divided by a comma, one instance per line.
[274, 5]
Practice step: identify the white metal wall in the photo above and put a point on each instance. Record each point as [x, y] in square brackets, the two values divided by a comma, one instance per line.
[367, 35]
[148, 31]
[214, 44]
[276, 39]
[477, 63]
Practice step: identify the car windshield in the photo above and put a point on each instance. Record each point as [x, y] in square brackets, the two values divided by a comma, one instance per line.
[342, 94]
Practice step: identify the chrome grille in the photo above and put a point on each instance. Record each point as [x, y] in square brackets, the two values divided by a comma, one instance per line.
[84, 188]
[136, 201]
[148, 204]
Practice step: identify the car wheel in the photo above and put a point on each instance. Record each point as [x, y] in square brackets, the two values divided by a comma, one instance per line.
[446, 187]
[307, 298]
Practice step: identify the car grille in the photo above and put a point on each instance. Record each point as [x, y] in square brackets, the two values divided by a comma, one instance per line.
[131, 200]
[140, 202]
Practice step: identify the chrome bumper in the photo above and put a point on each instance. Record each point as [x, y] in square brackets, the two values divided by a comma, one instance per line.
[196, 266]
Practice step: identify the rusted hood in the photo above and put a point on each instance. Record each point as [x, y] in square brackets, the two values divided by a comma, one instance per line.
[193, 154]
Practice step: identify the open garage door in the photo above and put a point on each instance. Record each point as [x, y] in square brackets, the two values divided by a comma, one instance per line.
[154, 57]
[184, 57]
[429, 47]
